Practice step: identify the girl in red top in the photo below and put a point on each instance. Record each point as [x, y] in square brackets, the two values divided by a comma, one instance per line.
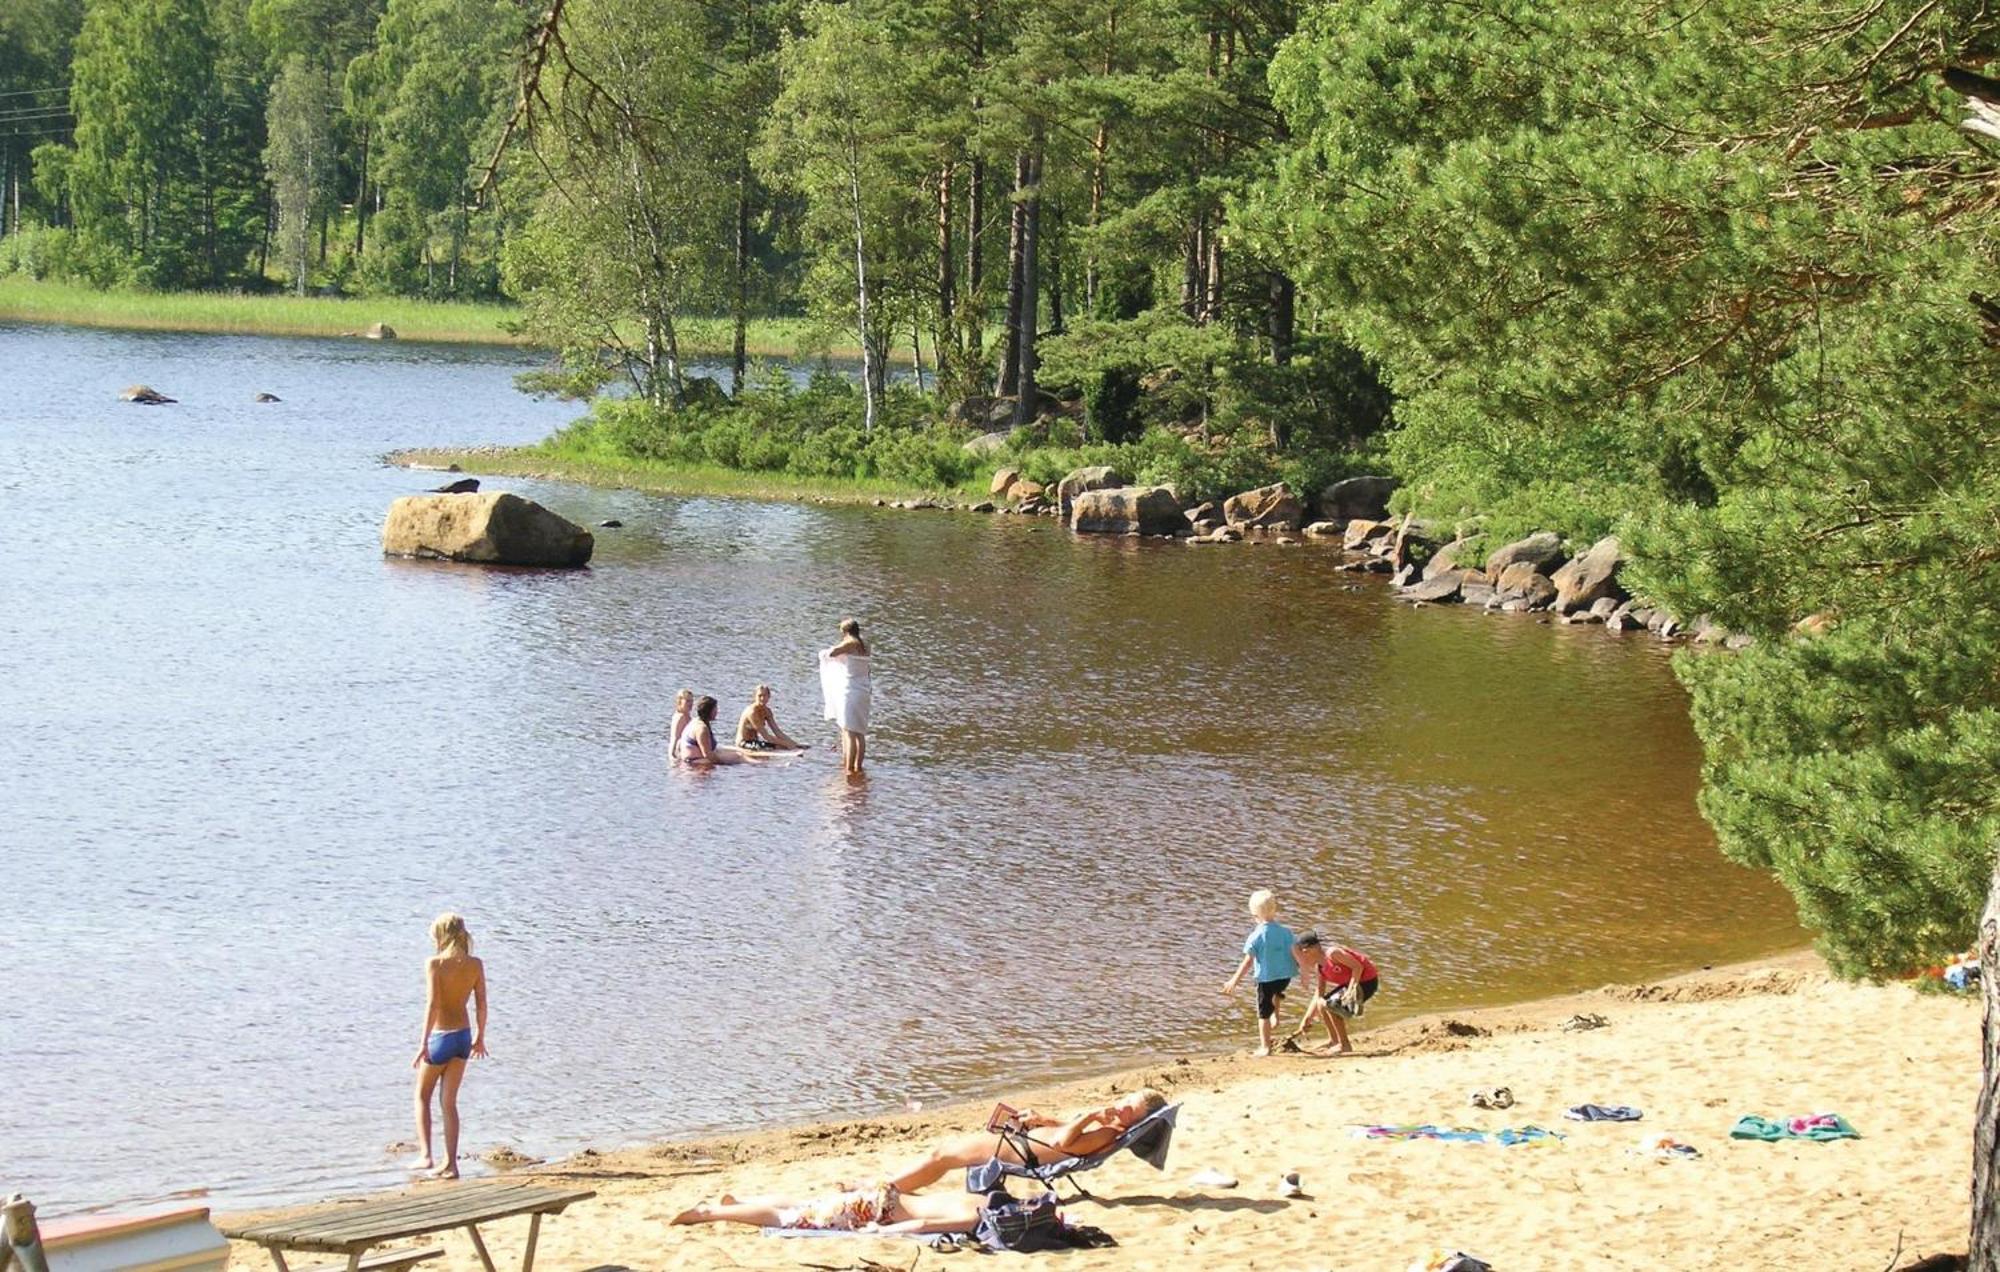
[1337, 967]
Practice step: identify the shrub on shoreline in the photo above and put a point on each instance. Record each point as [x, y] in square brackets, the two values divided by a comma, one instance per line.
[814, 431]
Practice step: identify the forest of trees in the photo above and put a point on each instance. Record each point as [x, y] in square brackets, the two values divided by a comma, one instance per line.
[1716, 275]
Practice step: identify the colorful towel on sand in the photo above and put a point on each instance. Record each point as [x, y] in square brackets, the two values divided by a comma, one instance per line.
[1507, 1136]
[1812, 1126]
[1602, 1113]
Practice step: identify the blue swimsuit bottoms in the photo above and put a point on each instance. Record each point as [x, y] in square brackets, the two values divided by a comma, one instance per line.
[445, 1047]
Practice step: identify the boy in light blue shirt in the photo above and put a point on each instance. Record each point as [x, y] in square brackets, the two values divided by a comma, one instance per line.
[1269, 951]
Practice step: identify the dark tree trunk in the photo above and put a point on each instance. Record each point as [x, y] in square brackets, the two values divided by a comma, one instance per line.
[1009, 380]
[739, 300]
[264, 243]
[1054, 240]
[1283, 317]
[947, 281]
[1984, 1255]
[1191, 257]
[1024, 333]
[975, 274]
[1100, 146]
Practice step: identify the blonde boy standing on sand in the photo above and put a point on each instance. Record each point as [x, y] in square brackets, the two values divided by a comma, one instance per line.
[1269, 950]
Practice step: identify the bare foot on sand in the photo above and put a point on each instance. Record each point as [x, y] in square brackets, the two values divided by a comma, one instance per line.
[1261, 1051]
[693, 1214]
[425, 1166]
[728, 1199]
[447, 1171]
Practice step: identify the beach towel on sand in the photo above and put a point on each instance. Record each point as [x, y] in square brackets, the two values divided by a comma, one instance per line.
[844, 684]
[1812, 1126]
[1507, 1136]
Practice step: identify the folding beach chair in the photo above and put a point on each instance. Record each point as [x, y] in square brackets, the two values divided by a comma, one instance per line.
[1147, 1139]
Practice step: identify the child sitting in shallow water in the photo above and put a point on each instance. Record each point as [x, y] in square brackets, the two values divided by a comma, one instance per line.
[1268, 950]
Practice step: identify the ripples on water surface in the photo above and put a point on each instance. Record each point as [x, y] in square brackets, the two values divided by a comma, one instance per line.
[244, 760]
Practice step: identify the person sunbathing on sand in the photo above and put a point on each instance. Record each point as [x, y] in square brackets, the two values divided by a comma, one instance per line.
[757, 729]
[877, 1208]
[1081, 1136]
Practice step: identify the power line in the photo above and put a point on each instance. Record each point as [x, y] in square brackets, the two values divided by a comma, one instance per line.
[26, 116]
[35, 92]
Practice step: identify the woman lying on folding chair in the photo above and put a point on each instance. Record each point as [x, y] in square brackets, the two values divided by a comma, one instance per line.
[1049, 1139]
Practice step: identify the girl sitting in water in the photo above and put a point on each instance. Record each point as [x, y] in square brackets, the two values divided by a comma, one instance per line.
[453, 976]
[697, 745]
[683, 712]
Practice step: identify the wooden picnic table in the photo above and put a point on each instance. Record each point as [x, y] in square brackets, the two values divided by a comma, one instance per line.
[352, 1230]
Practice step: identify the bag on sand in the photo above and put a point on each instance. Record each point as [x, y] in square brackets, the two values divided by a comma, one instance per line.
[1033, 1224]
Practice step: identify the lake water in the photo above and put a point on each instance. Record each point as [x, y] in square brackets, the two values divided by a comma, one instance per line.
[244, 760]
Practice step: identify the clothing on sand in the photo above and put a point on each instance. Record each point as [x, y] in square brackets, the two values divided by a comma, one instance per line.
[1602, 1113]
[843, 682]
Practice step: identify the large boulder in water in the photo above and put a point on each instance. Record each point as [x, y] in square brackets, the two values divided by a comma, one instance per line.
[1128, 510]
[1357, 498]
[144, 395]
[1272, 507]
[1079, 480]
[1589, 578]
[496, 528]
[378, 331]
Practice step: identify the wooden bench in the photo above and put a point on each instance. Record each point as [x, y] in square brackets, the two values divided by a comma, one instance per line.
[382, 1261]
[353, 1230]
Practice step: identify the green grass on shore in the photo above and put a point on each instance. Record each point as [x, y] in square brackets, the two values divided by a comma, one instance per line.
[662, 478]
[29, 300]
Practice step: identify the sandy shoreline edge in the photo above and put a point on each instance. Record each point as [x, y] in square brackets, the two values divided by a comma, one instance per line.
[1776, 1036]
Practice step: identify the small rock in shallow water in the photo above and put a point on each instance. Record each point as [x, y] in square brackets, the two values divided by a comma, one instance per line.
[145, 395]
[267, 397]
[611, 523]
[468, 486]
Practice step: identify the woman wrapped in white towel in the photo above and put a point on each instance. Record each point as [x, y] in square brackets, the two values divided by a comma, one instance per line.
[843, 679]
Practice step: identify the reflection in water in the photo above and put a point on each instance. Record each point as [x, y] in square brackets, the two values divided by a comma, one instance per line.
[245, 761]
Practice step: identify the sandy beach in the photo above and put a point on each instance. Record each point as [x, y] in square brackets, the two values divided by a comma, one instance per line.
[1778, 1037]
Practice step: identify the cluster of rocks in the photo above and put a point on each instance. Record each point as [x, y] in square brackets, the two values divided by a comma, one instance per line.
[1537, 574]
[1102, 500]
[1534, 574]
[147, 395]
